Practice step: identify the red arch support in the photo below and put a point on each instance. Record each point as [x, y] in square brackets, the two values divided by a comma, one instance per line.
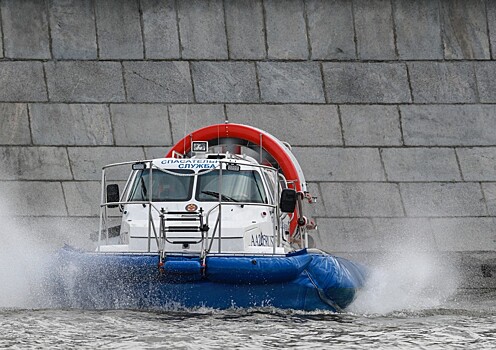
[282, 155]
[272, 145]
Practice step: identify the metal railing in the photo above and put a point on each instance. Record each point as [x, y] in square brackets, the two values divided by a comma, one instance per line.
[104, 205]
[207, 240]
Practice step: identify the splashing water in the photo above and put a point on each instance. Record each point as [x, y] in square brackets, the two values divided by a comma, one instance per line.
[407, 279]
[23, 259]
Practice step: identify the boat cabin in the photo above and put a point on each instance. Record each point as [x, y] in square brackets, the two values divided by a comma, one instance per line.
[209, 203]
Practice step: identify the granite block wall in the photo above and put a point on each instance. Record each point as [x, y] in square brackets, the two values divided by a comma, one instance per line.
[390, 105]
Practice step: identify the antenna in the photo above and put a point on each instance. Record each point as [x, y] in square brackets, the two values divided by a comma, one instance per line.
[186, 122]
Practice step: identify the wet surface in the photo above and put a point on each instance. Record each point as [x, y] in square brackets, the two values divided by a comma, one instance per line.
[466, 320]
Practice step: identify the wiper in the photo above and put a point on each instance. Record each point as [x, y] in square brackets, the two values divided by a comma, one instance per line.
[222, 196]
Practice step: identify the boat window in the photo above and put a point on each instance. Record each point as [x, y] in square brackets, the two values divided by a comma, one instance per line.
[237, 186]
[165, 187]
[270, 179]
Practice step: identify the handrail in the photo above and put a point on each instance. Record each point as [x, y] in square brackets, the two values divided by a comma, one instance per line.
[104, 205]
[207, 215]
[104, 219]
[213, 235]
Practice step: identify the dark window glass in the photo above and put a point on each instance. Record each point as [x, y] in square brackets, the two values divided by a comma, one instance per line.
[240, 186]
[165, 187]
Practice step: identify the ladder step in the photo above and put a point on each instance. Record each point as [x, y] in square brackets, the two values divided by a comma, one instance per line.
[182, 219]
[182, 229]
[182, 213]
[192, 241]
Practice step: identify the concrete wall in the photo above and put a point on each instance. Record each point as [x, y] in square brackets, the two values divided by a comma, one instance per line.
[390, 106]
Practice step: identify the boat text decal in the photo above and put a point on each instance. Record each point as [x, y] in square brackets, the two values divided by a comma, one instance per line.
[192, 163]
[261, 240]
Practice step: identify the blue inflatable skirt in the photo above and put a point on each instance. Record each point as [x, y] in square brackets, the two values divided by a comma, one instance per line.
[301, 280]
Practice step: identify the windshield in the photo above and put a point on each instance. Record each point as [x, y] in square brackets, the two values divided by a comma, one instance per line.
[237, 186]
[165, 187]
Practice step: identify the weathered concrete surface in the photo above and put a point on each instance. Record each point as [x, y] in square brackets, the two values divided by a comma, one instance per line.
[377, 235]
[73, 29]
[290, 82]
[371, 125]
[82, 81]
[443, 199]
[366, 82]
[25, 29]
[491, 24]
[119, 29]
[478, 164]
[34, 163]
[160, 31]
[14, 124]
[420, 164]
[374, 30]
[286, 30]
[341, 164]
[225, 81]
[447, 82]
[323, 119]
[202, 30]
[158, 81]
[151, 120]
[449, 125]
[486, 81]
[82, 197]
[34, 198]
[90, 124]
[185, 118]
[451, 234]
[22, 81]
[390, 107]
[464, 29]
[87, 162]
[330, 29]
[362, 199]
[489, 190]
[418, 29]
[245, 29]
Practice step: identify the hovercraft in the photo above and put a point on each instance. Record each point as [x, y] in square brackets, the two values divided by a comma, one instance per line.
[218, 222]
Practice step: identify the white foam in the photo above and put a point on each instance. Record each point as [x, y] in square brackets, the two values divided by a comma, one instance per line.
[406, 278]
[22, 262]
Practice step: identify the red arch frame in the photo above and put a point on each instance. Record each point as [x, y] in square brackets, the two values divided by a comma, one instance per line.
[272, 145]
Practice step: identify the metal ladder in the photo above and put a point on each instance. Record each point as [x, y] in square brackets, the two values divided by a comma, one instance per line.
[192, 230]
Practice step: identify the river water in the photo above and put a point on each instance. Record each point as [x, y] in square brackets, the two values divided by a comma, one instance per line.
[465, 321]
